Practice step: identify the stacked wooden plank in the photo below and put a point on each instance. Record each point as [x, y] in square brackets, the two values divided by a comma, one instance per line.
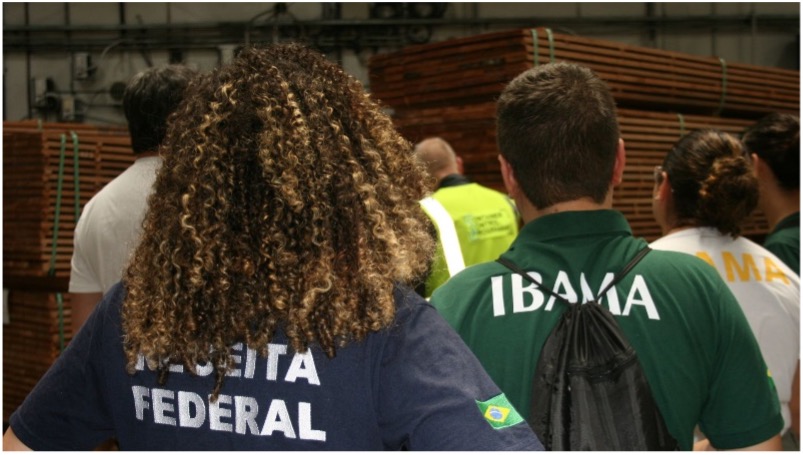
[41, 189]
[41, 194]
[648, 136]
[449, 73]
[448, 89]
[38, 330]
[474, 69]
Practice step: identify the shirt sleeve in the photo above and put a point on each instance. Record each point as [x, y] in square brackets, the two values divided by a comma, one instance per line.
[67, 410]
[433, 393]
[786, 252]
[82, 277]
[754, 416]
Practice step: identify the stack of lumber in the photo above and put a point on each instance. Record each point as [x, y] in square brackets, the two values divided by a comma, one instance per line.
[41, 194]
[449, 73]
[41, 189]
[31, 342]
[448, 89]
[476, 68]
[648, 136]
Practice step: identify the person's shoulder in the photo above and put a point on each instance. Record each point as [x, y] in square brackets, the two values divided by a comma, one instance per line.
[760, 249]
[409, 305]
[783, 238]
[468, 282]
[414, 316]
[112, 302]
[676, 264]
[407, 300]
[686, 277]
[664, 243]
[667, 258]
[138, 177]
[492, 191]
[475, 274]
[104, 199]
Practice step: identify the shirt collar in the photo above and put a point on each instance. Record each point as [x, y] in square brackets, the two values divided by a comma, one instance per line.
[452, 180]
[792, 220]
[580, 223]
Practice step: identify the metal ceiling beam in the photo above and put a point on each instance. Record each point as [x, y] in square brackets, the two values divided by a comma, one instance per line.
[367, 33]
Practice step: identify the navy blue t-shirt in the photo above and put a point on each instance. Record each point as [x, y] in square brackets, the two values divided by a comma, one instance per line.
[414, 384]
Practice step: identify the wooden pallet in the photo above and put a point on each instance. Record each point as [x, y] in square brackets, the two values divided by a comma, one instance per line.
[37, 214]
[448, 89]
[31, 342]
[648, 136]
[32, 156]
[475, 69]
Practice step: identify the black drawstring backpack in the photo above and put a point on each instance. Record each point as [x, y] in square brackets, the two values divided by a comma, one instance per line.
[589, 391]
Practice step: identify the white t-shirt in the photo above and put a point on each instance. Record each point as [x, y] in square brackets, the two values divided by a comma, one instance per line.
[110, 226]
[767, 290]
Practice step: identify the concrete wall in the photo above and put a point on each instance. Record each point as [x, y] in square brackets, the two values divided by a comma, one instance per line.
[754, 33]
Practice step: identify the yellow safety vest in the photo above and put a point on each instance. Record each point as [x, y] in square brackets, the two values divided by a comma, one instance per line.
[474, 224]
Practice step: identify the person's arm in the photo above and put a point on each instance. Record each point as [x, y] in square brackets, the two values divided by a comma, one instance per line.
[12, 443]
[82, 305]
[794, 403]
[742, 411]
[432, 393]
[774, 443]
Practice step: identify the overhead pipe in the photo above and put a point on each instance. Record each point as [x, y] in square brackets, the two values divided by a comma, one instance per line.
[776, 20]
[212, 35]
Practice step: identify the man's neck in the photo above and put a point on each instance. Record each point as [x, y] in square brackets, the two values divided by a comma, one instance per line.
[451, 180]
[779, 205]
[530, 213]
[678, 229]
[444, 173]
[145, 155]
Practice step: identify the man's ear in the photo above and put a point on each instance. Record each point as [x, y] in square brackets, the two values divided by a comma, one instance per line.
[511, 184]
[619, 164]
[459, 162]
[662, 204]
[760, 169]
[663, 190]
[755, 163]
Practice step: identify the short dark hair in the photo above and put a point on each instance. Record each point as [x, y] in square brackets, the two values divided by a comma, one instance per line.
[557, 127]
[712, 181]
[149, 99]
[776, 140]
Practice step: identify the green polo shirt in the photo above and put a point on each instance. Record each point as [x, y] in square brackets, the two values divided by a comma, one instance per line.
[693, 341]
[784, 241]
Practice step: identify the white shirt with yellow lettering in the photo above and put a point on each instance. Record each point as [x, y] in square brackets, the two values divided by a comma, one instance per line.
[767, 290]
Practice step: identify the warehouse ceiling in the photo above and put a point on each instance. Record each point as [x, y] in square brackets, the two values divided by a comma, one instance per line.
[390, 26]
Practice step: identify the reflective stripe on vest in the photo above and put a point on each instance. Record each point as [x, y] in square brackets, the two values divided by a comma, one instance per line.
[447, 234]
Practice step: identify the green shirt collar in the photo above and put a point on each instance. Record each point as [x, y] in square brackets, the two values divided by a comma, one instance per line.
[792, 220]
[582, 223]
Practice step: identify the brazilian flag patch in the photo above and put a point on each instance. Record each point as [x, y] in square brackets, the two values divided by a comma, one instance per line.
[499, 413]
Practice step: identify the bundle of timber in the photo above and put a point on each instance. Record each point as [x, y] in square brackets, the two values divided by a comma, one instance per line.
[648, 137]
[50, 171]
[56, 127]
[476, 68]
[448, 89]
[35, 333]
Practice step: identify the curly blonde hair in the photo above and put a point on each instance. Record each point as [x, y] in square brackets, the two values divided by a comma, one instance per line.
[286, 200]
